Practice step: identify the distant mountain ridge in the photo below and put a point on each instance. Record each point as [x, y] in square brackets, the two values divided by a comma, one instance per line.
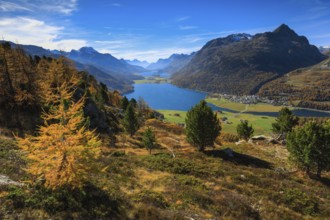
[105, 62]
[171, 64]
[116, 74]
[241, 63]
[178, 61]
[325, 50]
[137, 62]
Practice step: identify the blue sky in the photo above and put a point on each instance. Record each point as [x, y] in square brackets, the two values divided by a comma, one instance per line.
[152, 29]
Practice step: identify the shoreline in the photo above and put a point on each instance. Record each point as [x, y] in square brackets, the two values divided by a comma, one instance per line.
[209, 95]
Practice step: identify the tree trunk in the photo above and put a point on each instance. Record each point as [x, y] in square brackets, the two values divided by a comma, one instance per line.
[149, 150]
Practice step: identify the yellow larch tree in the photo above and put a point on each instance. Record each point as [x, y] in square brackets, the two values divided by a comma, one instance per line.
[64, 151]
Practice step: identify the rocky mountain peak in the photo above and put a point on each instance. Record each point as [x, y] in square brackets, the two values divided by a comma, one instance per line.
[87, 50]
[285, 30]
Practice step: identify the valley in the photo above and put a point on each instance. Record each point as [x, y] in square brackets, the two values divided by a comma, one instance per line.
[174, 102]
[164, 110]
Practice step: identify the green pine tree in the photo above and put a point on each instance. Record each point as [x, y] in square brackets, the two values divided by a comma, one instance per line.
[149, 140]
[309, 146]
[130, 123]
[284, 122]
[202, 126]
[124, 103]
[244, 130]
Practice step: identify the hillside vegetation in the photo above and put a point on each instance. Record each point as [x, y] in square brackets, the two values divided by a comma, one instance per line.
[71, 149]
[306, 87]
[256, 183]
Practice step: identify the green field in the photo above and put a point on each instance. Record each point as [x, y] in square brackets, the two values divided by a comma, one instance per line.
[171, 117]
[225, 103]
[260, 107]
[261, 124]
[151, 80]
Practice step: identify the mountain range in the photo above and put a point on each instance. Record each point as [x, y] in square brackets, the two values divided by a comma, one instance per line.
[236, 64]
[115, 73]
[325, 50]
[241, 63]
[171, 64]
[105, 62]
[137, 62]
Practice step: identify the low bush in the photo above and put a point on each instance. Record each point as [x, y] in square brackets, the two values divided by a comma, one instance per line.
[151, 199]
[300, 202]
[227, 137]
[89, 202]
[10, 159]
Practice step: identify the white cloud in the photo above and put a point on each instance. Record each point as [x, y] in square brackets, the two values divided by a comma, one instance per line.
[187, 27]
[10, 6]
[65, 7]
[62, 6]
[184, 18]
[25, 30]
[116, 5]
[321, 36]
[110, 44]
[205, 36]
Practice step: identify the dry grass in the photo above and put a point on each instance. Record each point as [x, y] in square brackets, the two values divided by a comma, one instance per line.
[257, 183]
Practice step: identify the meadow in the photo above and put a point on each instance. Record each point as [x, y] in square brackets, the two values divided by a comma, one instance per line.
[262, 124]
[151, 80]
[259, 107]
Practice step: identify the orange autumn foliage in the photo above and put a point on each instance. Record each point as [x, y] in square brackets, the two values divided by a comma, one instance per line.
[63, 152]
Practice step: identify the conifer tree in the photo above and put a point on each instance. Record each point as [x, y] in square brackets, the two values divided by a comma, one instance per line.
[63, 152]
[244, 130]
[130, 123]
[202, 126]
[133, 102]
[149, 140]
[284, 122]
[309, 146]
[124, 103]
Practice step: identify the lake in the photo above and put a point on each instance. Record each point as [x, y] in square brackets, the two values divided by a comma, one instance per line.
[170, 97]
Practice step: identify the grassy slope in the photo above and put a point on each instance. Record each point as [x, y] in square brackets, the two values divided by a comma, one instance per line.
[257, 183]
[151, 80]
[261, 124]
[305, 84]
[260, 107]
[174, 116]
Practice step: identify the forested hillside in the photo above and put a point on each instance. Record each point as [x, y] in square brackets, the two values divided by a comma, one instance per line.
[25, 80]
[114, 73]
[306, 87]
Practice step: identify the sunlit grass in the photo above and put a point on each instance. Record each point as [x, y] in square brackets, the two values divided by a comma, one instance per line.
[151, 80]
[261, 124]
[174, 116]
[225, 103]
[260, 107]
